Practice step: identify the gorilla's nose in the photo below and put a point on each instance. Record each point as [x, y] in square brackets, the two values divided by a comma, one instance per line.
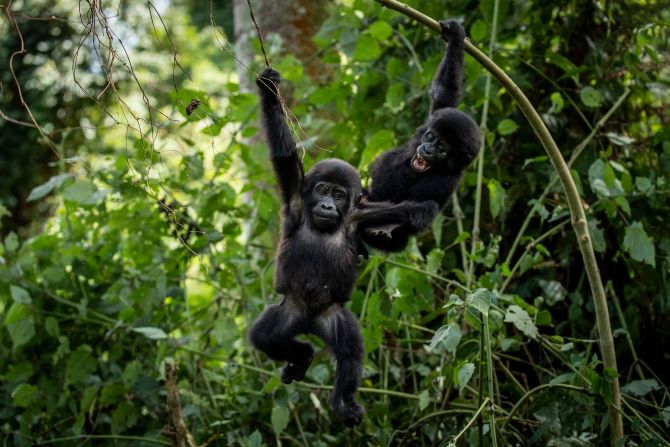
[327, 206]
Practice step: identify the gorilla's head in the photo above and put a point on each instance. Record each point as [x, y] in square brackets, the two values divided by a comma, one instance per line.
[329, 190]
[449, 144]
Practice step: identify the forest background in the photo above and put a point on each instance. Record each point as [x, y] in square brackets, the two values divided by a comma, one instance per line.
[135, 234]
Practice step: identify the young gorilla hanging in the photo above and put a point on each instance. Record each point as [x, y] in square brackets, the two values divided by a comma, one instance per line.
[430, 166]
[316, 260]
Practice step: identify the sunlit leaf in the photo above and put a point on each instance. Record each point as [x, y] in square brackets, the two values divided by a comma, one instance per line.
[639, 245]
[522, 321]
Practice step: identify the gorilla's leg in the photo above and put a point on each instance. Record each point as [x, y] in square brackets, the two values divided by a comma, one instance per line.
[338, 328]
[273, 333]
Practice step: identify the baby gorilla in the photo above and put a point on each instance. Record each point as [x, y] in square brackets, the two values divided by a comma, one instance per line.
[316, 260]
[429, 168]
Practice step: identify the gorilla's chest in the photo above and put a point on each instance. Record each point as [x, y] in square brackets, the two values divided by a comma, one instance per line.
[316, 266]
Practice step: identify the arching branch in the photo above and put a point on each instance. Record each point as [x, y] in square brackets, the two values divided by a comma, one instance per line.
[577, 214]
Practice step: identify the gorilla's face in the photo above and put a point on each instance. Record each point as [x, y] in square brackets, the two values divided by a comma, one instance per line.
[449, 143]
[329, 189]
[432, 150]
[328, 203]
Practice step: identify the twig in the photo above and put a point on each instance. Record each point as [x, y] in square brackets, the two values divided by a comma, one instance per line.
[176, 429]
[258, 31]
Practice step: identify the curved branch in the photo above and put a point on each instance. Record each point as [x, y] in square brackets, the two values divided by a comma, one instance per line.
[577, 214]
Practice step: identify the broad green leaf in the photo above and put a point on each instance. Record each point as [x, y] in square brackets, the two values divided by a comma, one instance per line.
[480, 299]
[520, 318]
[640, 388]
[367, 49]
[79, 366]
[380, 30]
[639, 245]
[478, 30]
[497, 197]
[464, 374]
[446, 338]
[11, 242]
[553, 291]
[83, 192]
[40, 191]
[507, 127]
[154, 333]
[424, 400]
[434, 260]
[597, 237]
[591, 97]
[20, 324]
[19, 294]
[272, 384]
[255, 439]
[643, 184]
[279, 419]
[25, 395]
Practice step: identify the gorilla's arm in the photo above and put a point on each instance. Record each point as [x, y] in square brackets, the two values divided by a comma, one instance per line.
[384, 217]
[287, 166]
[446, 87]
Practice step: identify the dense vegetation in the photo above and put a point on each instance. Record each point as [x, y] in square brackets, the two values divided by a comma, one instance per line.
[134, 234]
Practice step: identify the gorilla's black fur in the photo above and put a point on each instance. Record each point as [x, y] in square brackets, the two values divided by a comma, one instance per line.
[429, 168]
[316, 259]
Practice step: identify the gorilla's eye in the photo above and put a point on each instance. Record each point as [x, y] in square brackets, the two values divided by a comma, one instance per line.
[321, 189]
[441, 149]
[339, 195]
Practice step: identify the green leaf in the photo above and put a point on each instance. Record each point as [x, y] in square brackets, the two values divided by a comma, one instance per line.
[480, 299]
[434, 260]
[497, 197]
[640, 388]
[556, 103]
[380, 30]
[643, 184]
[271, 384]
[83, 192]
[79, 366]
[25, 395]
[619, 140]
[154, 333]
[591, 97]
[381, 140]
[40, 191]
[424, 400]
[520, 318]
[639, 245]
[11, 242]
[19, 294]
[20, 324]
[367, 49]
[446, 338]
[507, 127]
[464, 374]
[255, 439]
[478, 30]
[279, 419]
[665, 415]
[597, 236]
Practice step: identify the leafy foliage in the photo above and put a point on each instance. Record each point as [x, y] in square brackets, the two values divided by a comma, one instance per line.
[160, 239]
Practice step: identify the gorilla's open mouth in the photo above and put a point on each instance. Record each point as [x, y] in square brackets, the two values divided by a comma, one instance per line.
[419, 164]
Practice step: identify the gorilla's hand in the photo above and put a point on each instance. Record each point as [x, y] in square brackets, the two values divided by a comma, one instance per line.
[268, 81]
[451, 29]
